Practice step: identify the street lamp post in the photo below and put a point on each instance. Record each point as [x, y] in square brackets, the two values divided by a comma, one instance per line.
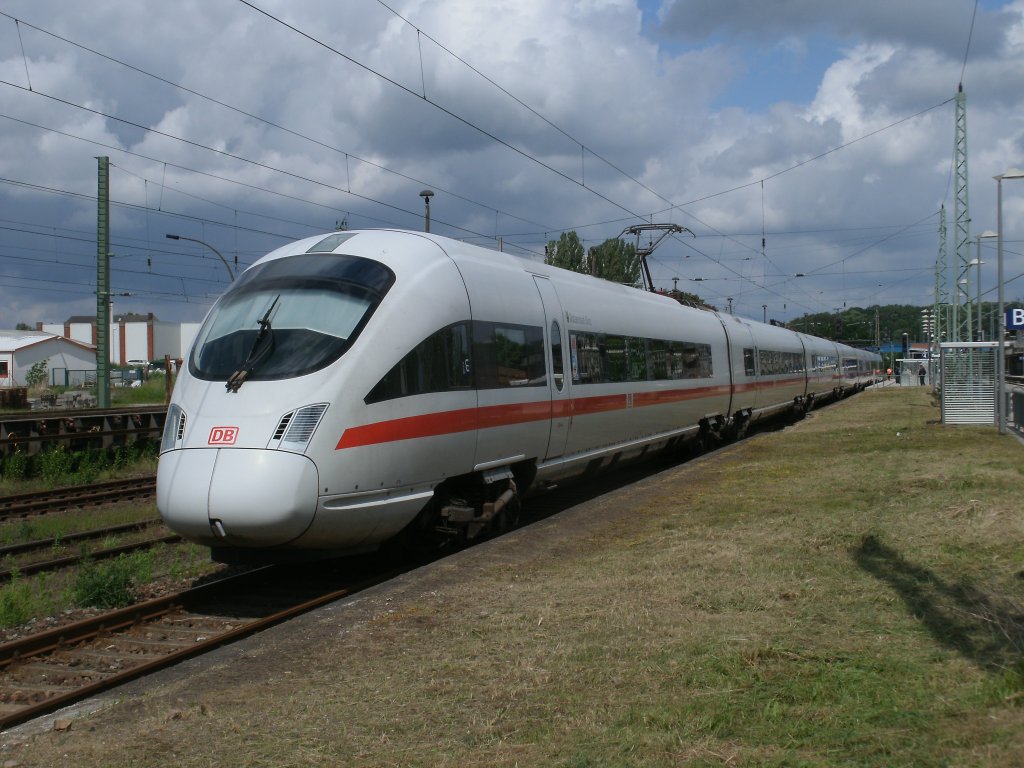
[1013, 173]
[426, 194]
[978, 262]
[201, 242]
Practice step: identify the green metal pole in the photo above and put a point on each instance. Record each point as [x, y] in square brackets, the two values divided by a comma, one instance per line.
[103, 284]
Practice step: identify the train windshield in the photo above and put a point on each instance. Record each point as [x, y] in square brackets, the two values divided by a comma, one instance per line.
[289, 317]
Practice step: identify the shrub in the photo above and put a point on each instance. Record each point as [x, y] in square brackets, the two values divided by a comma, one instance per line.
[36, 375]
[15, 466]
[104, 585]
[15, 601]
[109, 584]
[54, 464]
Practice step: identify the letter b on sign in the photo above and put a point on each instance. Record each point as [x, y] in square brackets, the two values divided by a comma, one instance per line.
[1015, 318]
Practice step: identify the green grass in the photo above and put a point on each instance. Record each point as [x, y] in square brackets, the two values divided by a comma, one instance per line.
[152, 392]
[111, 583]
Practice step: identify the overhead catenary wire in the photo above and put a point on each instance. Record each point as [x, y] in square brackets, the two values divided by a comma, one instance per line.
[482, 235]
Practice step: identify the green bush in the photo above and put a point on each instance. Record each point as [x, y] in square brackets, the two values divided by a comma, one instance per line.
[110, 584]
[54, 464]
[89, 466]
[16, 466]
[104, 585]
[36, 375]
[58, 465]
[16, 606]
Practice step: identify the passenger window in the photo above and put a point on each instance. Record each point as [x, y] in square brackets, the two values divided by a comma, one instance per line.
[439, 363]
[748, 362]
[508, 355]
[556, 355]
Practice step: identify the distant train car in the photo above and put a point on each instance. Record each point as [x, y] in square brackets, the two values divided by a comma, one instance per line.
[352, 385]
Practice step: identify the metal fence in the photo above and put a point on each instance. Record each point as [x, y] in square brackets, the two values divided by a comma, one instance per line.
[69, 377]
[968, 382]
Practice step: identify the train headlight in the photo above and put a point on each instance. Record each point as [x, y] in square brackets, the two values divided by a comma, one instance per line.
[174, 428]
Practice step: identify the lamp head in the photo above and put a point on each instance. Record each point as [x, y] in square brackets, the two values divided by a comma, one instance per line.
[1013, 173]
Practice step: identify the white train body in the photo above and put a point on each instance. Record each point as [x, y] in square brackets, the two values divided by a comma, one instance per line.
[395, 371]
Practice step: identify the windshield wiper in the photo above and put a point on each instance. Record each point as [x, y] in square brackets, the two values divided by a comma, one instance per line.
[262, 346]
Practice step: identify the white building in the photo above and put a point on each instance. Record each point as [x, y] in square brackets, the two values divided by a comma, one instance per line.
[20, 350]
[132, 337]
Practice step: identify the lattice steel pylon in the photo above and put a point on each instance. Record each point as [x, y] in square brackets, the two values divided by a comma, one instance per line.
[941, 304]
[962, 329]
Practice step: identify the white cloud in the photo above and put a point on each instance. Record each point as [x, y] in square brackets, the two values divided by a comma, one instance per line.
[696, 107]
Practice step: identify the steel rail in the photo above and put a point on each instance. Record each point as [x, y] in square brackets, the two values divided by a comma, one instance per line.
[68, 538]
[61, 638]
[22, 504]
[101, 554]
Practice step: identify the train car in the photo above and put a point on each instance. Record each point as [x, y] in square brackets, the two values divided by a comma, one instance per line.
[354, 385]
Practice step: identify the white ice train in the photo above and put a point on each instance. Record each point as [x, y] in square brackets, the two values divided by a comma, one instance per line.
[355, 384]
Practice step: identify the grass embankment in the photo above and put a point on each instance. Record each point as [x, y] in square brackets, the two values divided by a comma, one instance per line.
[846, 592]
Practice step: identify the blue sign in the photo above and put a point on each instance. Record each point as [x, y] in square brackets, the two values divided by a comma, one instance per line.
[1015, 319]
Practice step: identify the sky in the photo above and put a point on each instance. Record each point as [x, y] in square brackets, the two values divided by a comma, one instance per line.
[806, 146]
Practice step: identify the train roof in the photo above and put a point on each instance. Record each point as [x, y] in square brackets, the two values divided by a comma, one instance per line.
[403, 250]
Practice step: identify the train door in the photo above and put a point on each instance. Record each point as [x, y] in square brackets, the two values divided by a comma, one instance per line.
[558, 382]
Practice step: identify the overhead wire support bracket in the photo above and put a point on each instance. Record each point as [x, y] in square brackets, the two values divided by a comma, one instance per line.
[644, 252]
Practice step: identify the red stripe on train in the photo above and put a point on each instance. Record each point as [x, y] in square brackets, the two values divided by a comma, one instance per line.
[467, 419]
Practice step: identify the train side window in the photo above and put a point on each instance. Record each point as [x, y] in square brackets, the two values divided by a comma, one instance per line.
[613, 358]
[508, 355]
[657, 359]
[636, 358]
[556, 355]
[439, 363]
[748, 362]
[586, 352]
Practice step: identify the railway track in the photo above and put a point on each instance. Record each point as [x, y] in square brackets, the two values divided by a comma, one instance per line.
[24, 504]
[48, 546]
[44, 672]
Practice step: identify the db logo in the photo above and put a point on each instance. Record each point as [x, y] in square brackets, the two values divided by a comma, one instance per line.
[223, 436]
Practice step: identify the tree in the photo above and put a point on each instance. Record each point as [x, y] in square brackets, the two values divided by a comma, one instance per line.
[36, 374]
[615, 260]
[23, 327]
[566, 252]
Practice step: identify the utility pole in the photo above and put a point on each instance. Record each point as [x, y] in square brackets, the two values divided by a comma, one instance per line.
[103, 283]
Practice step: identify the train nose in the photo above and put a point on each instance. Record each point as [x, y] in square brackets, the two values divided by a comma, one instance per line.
[237, 497]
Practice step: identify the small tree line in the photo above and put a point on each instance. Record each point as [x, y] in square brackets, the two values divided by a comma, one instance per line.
[614, 259]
